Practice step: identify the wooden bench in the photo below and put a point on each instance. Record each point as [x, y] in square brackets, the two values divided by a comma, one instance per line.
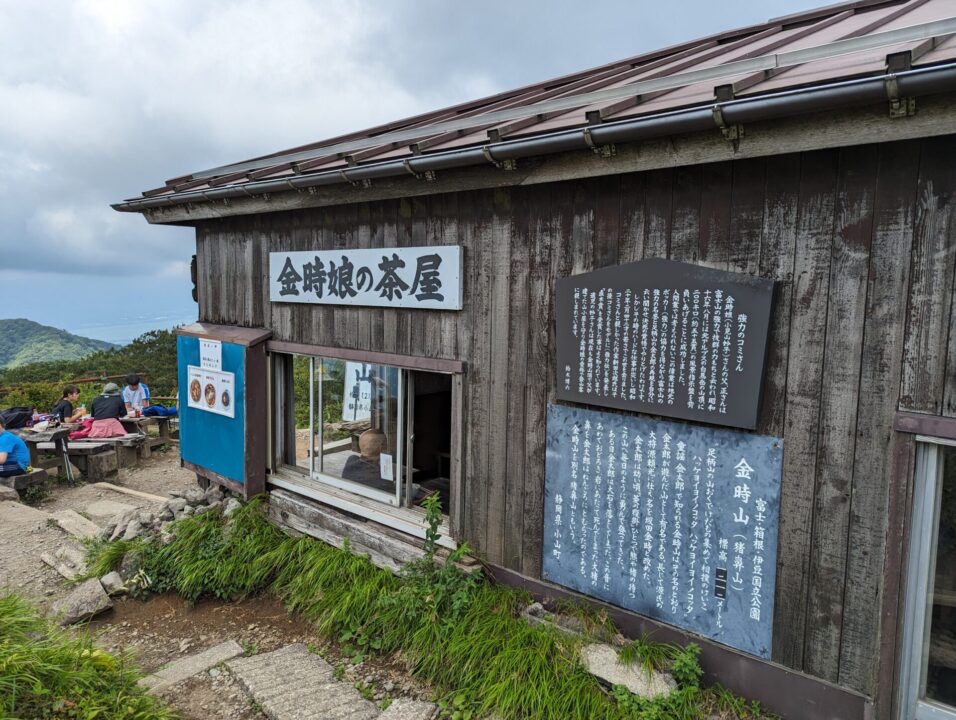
[21, 482]
[126, 447]
[95, 459]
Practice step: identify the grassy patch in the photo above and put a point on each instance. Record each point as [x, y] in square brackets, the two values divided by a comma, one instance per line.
[105, 557]
[34, 494]
[648, 654]
[45, 673]
[454, 630]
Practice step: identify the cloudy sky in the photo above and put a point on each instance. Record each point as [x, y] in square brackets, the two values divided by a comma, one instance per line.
[102, 99]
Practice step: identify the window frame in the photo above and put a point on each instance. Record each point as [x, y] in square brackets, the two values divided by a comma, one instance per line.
[338, 493]
[924, 518]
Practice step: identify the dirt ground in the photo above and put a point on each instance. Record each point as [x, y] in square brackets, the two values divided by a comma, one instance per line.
[165, 628]
[28, 532]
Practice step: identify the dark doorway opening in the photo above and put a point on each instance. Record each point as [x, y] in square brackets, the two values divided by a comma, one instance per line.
[429, 436]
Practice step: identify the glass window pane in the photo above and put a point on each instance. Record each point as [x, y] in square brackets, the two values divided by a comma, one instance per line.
[359, 420]
[940, 663]
[300, 409]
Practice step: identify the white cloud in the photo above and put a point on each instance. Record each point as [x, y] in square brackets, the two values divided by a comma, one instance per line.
[103, 99]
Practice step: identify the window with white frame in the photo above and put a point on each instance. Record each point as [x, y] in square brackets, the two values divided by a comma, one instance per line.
[376, 430]
[929, 651]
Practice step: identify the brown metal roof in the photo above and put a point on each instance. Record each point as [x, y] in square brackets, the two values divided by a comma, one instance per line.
[689, 75]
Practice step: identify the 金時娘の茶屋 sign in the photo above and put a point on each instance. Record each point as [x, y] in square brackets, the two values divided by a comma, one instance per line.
[674, 521]
[409, 277]
[666, 338]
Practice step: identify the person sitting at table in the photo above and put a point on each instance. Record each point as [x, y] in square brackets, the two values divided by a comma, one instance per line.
[106, 409]
[365, 468]
[14, 456]
[135, 394]
[64, 406]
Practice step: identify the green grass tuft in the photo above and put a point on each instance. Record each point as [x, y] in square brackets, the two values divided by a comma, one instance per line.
[105, 557]
[44, 673]
[648, 654]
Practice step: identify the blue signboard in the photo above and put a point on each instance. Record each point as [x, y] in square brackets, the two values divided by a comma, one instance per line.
[674, 521]
[209, 436]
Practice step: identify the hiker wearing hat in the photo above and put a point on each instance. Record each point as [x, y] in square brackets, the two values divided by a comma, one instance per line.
[109, 404]
[106, 409]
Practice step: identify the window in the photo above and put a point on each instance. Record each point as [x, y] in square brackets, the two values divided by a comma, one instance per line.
[929, 660]
[376, 430]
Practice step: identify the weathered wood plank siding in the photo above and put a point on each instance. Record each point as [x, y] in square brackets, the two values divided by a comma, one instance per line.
[862, 242]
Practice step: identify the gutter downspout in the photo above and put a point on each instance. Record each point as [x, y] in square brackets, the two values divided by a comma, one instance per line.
[867, 91]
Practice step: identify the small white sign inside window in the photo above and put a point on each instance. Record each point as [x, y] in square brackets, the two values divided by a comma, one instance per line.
[385, 466]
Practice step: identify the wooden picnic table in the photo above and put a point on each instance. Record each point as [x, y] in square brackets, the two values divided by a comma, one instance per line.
[59, 436]
[142, 424]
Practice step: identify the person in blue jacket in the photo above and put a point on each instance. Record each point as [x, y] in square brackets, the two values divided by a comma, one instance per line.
[14, 456]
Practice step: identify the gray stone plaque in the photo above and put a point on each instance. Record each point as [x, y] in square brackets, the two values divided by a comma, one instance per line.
[674, 521]
[665, 338]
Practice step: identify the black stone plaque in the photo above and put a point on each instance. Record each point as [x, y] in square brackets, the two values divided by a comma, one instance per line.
[674, 521]
[665, 338]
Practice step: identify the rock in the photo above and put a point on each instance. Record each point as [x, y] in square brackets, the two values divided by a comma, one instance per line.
[128, 566]
[84, 602]
[213, 494]
[113, 583]
[231, 506]
[166, 535]
[145, 518]
[215, 505]
[8, 494]
[194, 496]
[189, 510]
[175, 493]
[407, 709]
[133, 530]
[602, 661]
[176, 506]
[119, 523]
[535, 609]
[165, 512]
[68, 560]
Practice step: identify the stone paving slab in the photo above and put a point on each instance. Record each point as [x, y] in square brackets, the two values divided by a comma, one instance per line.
[106, 509]
[405, 709]
[76, 525]
[69, 560]
[294, 684]
[186, 667]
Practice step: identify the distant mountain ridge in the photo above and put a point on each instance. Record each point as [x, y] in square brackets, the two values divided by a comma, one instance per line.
[24, 341]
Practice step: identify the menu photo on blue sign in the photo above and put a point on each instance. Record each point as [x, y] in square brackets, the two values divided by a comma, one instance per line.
[673, 521]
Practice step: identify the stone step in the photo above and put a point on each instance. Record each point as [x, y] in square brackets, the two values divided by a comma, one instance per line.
[405, 709]
[294, 684]
[186, 667]
[78, 526]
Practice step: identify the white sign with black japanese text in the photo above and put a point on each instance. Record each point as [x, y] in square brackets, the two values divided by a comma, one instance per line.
[409, 277]
[210, 355]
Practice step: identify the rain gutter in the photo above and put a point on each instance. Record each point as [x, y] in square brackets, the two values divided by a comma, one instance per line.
[866, 91]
